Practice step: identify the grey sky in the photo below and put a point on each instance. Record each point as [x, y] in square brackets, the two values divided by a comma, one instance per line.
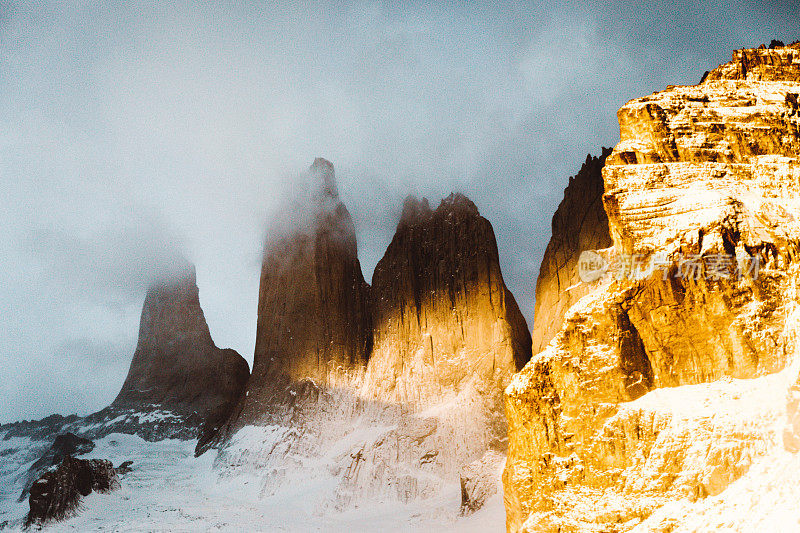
[132, 132]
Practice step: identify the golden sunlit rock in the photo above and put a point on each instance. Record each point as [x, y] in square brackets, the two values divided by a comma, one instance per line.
[666, 384]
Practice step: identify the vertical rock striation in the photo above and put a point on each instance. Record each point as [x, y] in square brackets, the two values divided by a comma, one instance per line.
[314, 318]
[580, 223]
[396, 389]
[667, 384]
[176, 366]
[444, 319]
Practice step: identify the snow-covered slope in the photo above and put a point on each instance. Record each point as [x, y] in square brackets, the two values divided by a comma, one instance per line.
[171, 490]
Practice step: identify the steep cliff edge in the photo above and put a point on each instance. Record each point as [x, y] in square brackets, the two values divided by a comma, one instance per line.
[668, 381]
[580, 223]
[176, 366]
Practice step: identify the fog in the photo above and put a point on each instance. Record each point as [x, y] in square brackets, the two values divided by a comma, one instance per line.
[135, 133]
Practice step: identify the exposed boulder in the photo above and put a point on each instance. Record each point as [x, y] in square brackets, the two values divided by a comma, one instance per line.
[177, 367]
[124, 467]
[65, 444]
[667, 381]
[57, 494]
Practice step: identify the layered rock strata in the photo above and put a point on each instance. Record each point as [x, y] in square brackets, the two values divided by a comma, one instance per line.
[667, 381]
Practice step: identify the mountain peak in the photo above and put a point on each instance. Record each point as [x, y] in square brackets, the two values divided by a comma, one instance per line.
[457, 202]
[322, 170]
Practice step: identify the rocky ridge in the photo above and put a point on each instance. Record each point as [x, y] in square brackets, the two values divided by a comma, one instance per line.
[667, 382]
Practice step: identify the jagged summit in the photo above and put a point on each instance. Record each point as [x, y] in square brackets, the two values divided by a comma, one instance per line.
[777, 63]
[580, 223]
[458, 203]
[414, 210]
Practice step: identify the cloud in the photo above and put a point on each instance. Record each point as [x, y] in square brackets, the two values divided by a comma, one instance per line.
[131, 133]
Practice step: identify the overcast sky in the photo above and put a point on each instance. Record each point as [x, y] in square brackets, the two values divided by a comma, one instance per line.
[129, 133]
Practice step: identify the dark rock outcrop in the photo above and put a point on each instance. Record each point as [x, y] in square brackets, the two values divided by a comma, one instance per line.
[177, 367]
[405, 378]
[41, 429]
[57, 494]
[211, 426]
[65, 444]
[178, 379]
[314, 318]
[124, 467]
[580, 223]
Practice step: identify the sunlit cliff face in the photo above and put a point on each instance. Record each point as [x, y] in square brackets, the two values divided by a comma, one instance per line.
[443, 316]
[704, 175]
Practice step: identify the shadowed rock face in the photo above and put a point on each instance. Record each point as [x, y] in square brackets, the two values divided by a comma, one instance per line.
[314, 318]
[580, 223]
[443, 315]
[176, 365]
